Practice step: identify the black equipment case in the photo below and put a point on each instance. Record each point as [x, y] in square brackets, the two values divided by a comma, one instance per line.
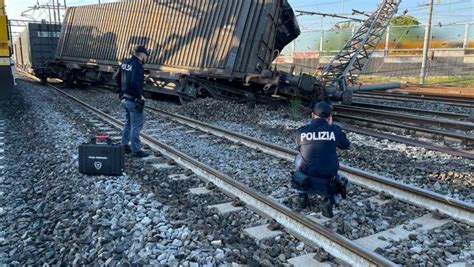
[104, 158]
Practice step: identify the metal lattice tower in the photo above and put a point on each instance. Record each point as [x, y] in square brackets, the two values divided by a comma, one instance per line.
[358, 50]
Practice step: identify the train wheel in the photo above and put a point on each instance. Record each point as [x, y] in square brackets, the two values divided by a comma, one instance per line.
[183, 100]
[188, 93]
[71, 80]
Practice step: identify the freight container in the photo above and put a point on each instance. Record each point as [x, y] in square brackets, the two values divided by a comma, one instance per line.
[36, 47]
[225, 40]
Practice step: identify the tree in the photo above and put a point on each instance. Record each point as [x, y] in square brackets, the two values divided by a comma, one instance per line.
[405, 20]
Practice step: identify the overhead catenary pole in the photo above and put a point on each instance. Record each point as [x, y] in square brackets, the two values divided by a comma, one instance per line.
[466, 37]
[54, 11]
[49, 14]
[59, 11]
[387, 40]
[426, 44]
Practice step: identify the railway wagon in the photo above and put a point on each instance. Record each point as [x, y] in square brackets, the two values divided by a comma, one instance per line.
[221, 48]
[36, 47]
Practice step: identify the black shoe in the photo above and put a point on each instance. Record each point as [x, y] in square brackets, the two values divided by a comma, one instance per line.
[140, 154]
[326, 209]
[128, 150]
[344, 187]
[304, 201]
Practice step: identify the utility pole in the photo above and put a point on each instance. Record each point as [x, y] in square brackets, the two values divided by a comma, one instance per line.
[342, 7]
[49, 14]
[426, 44]
[54, 11]
[59, 11]
[466, 37]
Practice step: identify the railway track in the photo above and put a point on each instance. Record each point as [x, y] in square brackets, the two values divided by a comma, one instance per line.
[416, 119]
[466, 103]
[438, 114]
[440, 128]
[422, 131]
[291, 220]
[349, 251]
[410, 141]
[374, 182]
[337, 245]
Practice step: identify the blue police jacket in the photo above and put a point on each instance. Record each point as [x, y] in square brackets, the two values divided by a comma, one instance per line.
[130, 77]
[317, 143]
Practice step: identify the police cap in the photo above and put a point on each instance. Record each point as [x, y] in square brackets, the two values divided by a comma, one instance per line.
[322, 110]
[142, 49]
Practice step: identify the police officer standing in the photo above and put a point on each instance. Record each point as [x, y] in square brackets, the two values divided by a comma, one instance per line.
[130, 78]
[317, 163]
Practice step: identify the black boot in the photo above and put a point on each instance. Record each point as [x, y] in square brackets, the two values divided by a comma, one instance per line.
[343, 187]
[304, 200]
[326, 208]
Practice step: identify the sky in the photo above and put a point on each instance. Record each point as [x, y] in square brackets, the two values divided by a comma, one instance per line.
[445, 12]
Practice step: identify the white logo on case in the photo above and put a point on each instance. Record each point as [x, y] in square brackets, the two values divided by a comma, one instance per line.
[98, 165]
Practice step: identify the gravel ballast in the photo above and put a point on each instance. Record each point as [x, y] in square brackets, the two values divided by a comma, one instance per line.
[268, 175]
[52, 214]
[435, 171]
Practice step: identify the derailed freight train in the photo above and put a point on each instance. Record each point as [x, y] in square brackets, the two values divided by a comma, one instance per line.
[218, 48]
[36, 47]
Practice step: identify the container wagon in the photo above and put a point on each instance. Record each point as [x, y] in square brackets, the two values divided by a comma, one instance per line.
[219, 48]
[36, 47]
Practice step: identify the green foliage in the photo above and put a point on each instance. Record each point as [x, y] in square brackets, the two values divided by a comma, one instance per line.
[405, 20]
[295, 108]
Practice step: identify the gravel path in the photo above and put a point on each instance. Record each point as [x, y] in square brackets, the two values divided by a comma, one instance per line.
[51, 214]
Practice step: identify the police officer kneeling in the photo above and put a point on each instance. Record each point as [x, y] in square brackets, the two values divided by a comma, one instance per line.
[317, 164]
[130, 78]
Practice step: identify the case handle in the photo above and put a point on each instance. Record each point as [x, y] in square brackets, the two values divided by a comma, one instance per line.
[101, 138]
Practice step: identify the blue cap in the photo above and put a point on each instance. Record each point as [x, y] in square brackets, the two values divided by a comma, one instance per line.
[322, 110]
[142, 49]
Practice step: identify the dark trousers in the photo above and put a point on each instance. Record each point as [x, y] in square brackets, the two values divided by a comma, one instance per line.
[133, 125]
[326, 188]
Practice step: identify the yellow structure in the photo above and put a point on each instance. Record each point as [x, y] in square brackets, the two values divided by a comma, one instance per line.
[6, 75]
[4, 34]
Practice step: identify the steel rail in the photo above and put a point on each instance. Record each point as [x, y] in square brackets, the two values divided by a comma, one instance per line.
[430, 200]
[410, 141]
[416, 110]
[335, 244]
[461, 137]
[460, 99]
[464, 104]
[461, 125]
[225, 133]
